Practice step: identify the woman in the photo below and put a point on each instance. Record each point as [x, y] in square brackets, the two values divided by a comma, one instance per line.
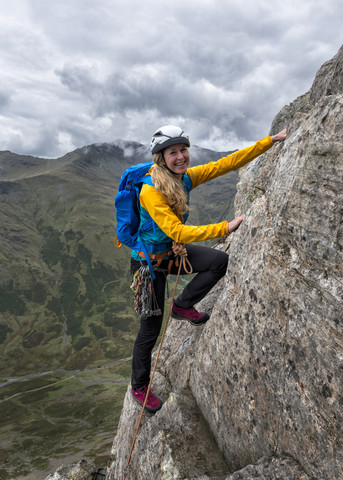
[164, 201]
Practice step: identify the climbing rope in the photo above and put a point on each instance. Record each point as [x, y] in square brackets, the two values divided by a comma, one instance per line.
[180, 253]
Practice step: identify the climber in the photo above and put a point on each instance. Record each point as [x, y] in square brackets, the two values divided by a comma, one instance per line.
[164, 201]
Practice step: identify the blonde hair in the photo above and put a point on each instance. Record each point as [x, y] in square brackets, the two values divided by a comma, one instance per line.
[166, 183]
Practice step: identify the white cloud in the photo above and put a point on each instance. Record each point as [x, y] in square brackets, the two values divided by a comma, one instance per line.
[83, 72]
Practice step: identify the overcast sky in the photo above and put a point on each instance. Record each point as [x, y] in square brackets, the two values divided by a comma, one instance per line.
[76, 72]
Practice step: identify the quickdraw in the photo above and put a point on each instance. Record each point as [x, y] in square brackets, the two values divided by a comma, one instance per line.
[145, 303]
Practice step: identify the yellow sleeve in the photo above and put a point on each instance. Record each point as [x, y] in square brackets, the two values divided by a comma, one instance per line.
[209, 171]
[156, 205]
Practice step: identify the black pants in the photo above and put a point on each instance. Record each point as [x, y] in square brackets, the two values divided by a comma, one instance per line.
[210, 266]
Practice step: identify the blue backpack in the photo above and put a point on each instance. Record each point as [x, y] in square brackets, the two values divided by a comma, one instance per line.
[128, 208]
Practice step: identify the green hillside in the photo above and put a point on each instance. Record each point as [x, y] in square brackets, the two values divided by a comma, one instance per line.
[57, 258]
[66, 318]
[64, 296]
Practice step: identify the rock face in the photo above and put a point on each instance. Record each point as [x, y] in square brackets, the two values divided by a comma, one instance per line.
[79, 471]
[257, 392]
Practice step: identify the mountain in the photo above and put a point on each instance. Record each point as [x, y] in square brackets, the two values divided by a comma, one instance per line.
[257, 392]
[64, 293]
[66, 317]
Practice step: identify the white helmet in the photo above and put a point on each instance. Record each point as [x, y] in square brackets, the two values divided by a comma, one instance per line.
[166, 136]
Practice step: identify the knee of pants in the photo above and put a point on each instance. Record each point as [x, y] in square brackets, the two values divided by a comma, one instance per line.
[220, 262]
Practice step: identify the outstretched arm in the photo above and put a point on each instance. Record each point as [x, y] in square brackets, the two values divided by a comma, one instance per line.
[203, 173]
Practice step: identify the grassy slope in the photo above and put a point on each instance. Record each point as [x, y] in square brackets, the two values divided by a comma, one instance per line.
[64, 296]
[65, 301]
[57, 256]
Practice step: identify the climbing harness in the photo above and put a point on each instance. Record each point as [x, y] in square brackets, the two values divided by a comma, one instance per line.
[145, 303]
[157, 257]
[181, 260]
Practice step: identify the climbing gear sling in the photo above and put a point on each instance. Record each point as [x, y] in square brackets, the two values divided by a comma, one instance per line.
[145, 303]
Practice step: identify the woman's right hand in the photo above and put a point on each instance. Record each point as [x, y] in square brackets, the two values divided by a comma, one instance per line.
[231, 226]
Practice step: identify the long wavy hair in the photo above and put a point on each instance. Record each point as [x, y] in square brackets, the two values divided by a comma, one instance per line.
[166, 183]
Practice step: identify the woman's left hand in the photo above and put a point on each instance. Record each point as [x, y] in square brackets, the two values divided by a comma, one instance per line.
[280, 137]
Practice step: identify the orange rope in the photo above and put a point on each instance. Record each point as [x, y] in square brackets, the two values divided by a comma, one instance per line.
[180, 250]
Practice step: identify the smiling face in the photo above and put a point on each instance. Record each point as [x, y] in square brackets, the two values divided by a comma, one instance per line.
[177, 159]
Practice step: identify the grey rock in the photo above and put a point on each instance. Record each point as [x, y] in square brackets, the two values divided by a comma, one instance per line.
[180, 444]
[257, 391]
[83, 470]
[281, 468]
[329, 79]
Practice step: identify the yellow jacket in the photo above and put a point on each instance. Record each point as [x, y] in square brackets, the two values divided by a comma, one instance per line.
[157, 207]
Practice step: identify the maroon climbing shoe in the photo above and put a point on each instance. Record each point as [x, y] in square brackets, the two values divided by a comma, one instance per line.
[190, 314]
[153, 403]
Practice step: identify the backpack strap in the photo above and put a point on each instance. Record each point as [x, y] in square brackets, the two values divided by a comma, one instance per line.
[147, 179]
[147, 258]
[117, 243]
[187, 183]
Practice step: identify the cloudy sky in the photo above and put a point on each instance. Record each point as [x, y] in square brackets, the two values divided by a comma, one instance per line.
[76, 72]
